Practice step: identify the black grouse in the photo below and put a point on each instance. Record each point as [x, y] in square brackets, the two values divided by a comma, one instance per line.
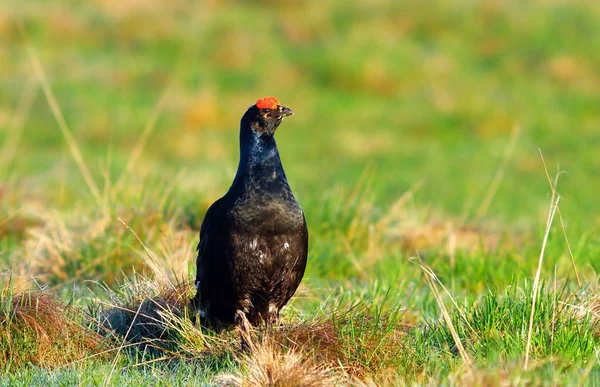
[254, 240]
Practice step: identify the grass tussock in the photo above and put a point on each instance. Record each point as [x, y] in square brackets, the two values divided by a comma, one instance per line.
[320, 338]
[39, 329]
[156, 317]
[143, 311]
[268, 363]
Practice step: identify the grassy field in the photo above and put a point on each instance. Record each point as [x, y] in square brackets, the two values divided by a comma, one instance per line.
[440, 252]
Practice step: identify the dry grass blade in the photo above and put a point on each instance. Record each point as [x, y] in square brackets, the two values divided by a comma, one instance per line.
[459, 310]
[495, 184]
[62, 124]
[536, 282]
[152, 262]
[15, 129]
[553, 313]
[431, 278]
[562, 224]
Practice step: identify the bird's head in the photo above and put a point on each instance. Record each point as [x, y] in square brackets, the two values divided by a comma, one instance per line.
[265, 116]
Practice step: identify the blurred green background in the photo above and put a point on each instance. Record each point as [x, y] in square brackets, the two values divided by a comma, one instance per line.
[410, 91]
[416, 131]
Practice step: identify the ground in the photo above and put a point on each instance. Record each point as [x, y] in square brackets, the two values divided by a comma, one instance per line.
[440, 251]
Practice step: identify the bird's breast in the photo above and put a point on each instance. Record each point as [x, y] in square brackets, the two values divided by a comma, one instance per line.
[267, 216]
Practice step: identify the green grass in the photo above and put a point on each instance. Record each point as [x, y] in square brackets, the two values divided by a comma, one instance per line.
[403, 125]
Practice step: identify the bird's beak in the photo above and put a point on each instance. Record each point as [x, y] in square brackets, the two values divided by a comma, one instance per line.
[286, 111]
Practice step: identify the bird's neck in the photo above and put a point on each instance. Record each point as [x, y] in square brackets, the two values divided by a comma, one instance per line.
[259, 161]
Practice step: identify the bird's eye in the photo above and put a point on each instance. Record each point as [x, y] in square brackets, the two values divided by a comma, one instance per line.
[266, 110]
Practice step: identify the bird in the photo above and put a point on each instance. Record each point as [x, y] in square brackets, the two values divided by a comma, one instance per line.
[253, 245]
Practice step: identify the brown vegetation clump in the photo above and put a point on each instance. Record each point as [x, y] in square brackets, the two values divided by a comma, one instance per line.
[147, 312]
[321, 337]
[156, 317]
[39, 329]
[268, 364]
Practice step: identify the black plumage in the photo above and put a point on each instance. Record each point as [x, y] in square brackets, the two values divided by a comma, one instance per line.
[254, 240]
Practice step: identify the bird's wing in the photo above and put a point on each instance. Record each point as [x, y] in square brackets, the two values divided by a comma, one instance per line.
[305, 231]
[208, 224]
